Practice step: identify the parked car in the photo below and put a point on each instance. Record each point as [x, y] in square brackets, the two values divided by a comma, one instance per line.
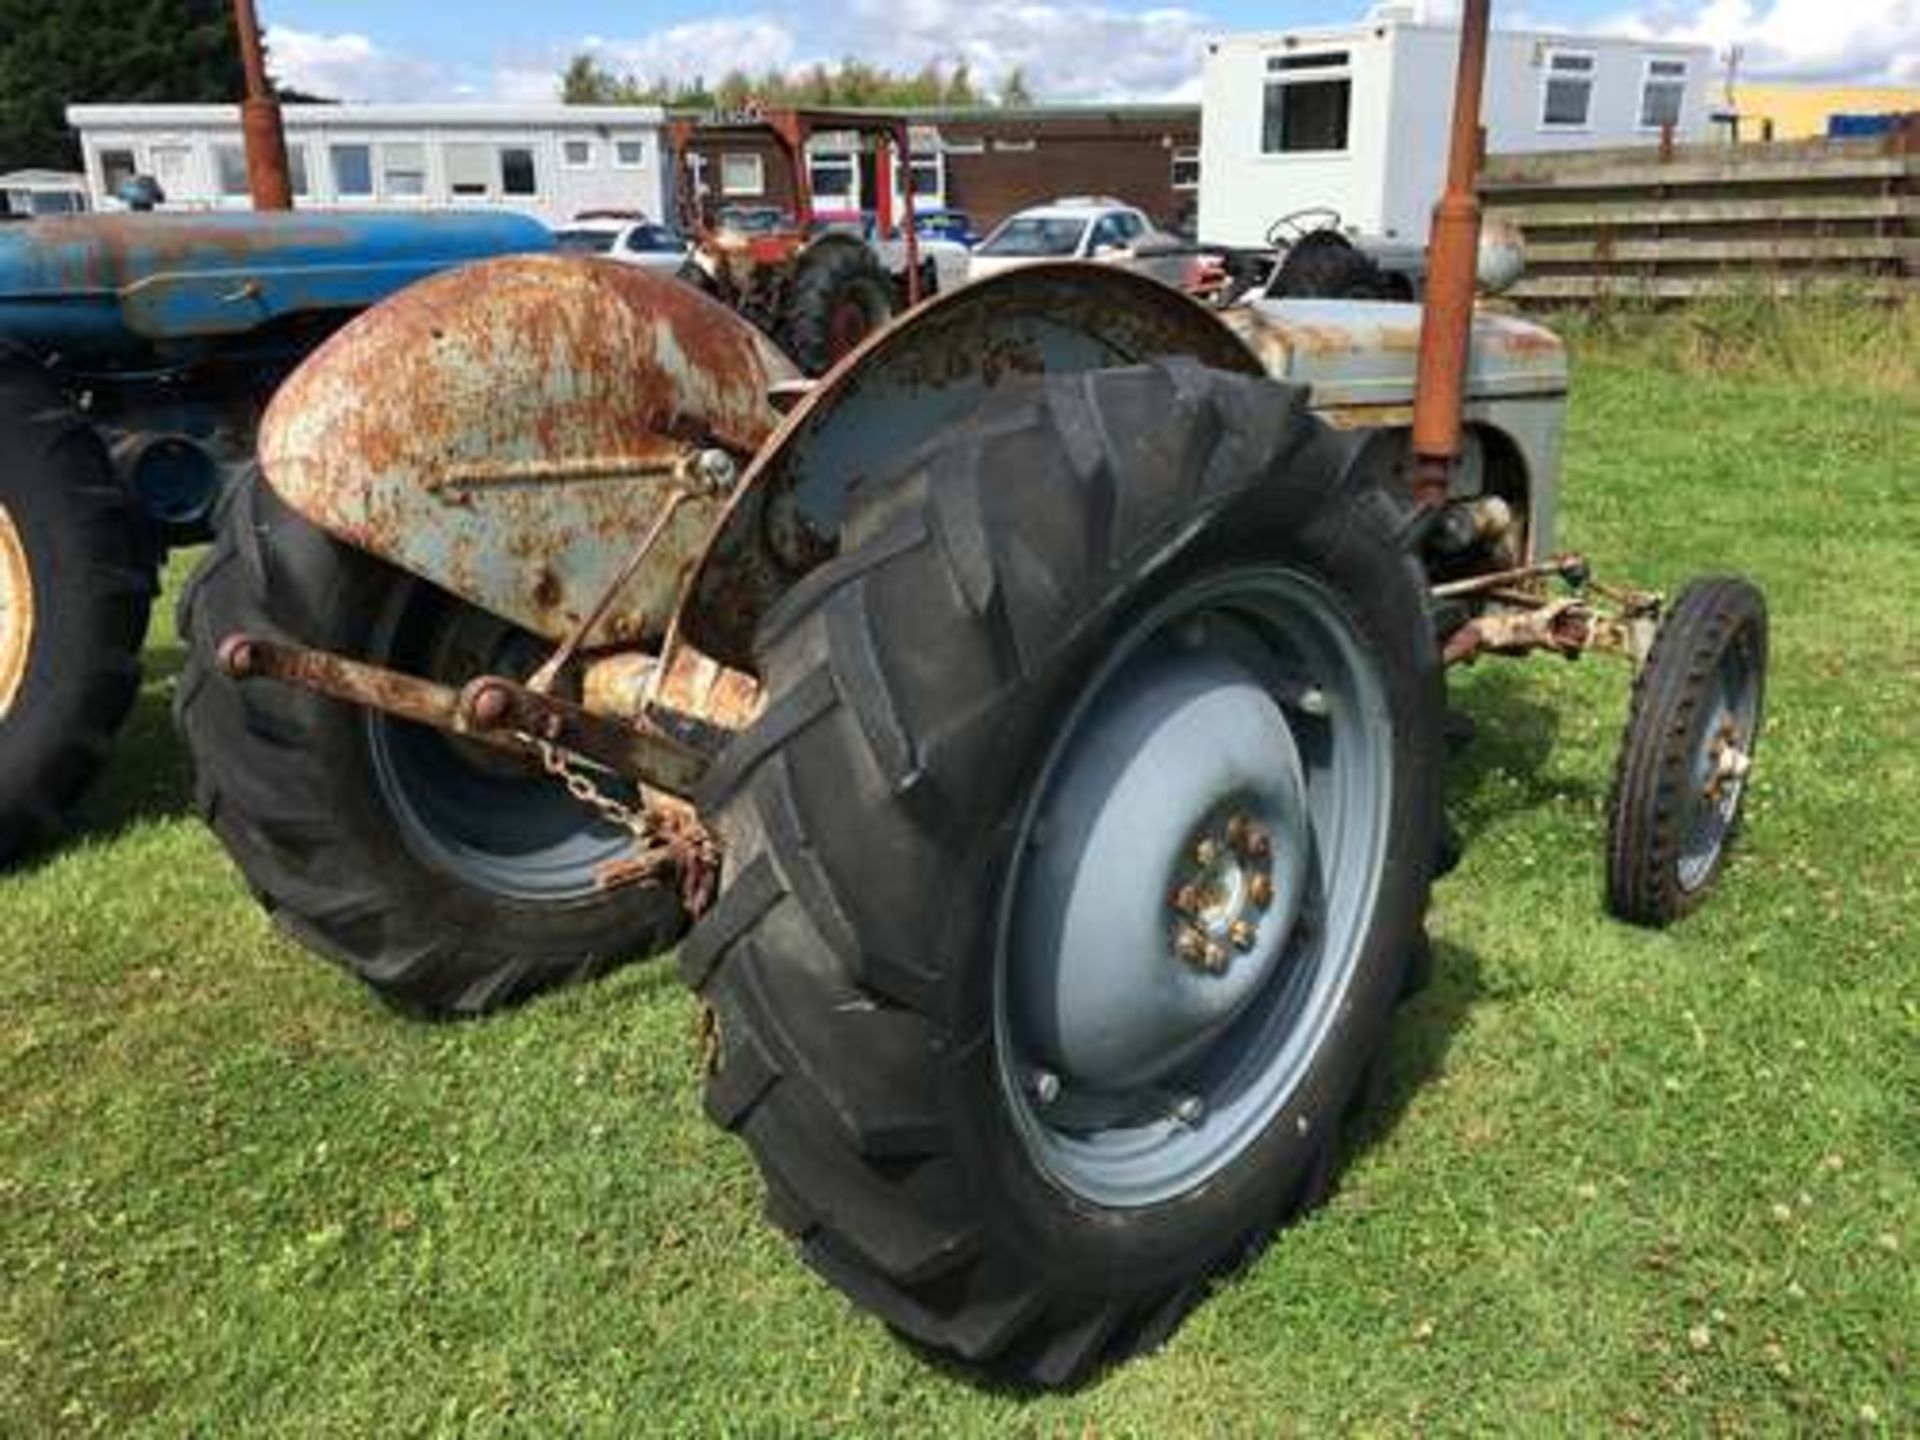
[630, 239]
[953, 225]
[1082, 228]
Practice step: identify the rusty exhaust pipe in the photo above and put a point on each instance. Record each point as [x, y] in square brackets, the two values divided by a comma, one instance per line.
[268, 178]
[1446, 326]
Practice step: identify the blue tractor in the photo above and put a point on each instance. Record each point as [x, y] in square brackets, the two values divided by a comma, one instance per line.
[137, 352]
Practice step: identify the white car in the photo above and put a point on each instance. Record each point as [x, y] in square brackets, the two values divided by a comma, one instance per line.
[630, 239]
[1075, 228]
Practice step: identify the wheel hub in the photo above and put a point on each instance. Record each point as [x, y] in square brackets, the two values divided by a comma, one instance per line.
[1156, 904]
[16, 611]
[1218, 908]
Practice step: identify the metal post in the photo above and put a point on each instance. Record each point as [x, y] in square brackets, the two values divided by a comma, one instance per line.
[267, 176]
[911, 225]
[1447, 325]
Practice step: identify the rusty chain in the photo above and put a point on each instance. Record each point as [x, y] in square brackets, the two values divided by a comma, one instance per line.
[665, 841]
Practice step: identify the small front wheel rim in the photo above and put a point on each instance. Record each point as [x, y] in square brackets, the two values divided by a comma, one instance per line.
[1722, 757]
[1193, 885]
[16, 611]
[488, 821]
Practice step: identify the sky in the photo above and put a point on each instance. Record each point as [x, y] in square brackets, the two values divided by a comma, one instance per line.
[512, 50]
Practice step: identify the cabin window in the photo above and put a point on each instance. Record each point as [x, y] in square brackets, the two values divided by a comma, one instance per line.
[577, 154]
[1186, 168]
[117, 166]
[629, 154]
[230, 171]
[403, 170]
[1662, 93]
[1309, 100]
[1567, 102]
[352, 171]
[297, 168]
[832, 178]
[517, 173]
[742, 174]
[470, 170]
[928, 178]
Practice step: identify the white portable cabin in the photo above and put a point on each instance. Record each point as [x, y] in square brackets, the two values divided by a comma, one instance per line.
[1355, 118]
[550, 161]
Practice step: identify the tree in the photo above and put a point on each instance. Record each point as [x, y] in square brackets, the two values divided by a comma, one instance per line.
[852, 82]
[587, 82]
[126, 51]
[1013, 89]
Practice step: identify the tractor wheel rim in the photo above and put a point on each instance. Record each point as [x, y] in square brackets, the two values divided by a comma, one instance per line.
[16, 611]
[489, 821]
[1192, 886]
[1721, 757]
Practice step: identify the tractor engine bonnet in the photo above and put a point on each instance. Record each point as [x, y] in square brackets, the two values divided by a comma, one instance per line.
[508, 430]
[107, 286]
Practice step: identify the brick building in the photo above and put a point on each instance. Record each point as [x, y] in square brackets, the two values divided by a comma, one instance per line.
[987, 162]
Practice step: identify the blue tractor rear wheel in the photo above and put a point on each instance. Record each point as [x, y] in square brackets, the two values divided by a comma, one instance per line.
[76, 583]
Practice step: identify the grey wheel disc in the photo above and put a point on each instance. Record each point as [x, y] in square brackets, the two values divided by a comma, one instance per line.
[1721, 760]
[490, 822]
[1192, 886]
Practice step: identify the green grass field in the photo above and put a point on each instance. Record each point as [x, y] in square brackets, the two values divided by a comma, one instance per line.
[1620, 1180]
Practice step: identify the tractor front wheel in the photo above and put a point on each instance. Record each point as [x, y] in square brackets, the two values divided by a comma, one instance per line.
[450, 879]
[1075, 863]
[76, 582]
[1687, 751]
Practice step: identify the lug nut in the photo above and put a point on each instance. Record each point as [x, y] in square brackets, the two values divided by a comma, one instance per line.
[1207, 852]
[1189, 946]
[1215, 958]
[1241, 934]
[1189, 1110]
[1046, 1087]
[1259, 844]
[1186, 900]
[1237, 827]
[1260, 890]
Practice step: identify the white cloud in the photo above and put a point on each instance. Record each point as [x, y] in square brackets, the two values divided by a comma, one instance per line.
[348, 66]
[1863, 41]
[1067, 49]
[700, 49]
[1075, 51]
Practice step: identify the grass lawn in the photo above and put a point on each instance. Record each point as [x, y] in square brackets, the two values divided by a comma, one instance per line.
[1620, 1180]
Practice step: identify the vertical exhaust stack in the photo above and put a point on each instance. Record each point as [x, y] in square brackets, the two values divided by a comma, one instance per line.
[267, 178]
[1447, 324]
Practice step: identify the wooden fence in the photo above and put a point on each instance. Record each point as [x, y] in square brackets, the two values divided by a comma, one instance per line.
[1672, 223]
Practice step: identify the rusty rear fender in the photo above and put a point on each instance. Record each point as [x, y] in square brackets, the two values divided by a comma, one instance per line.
[508, 431]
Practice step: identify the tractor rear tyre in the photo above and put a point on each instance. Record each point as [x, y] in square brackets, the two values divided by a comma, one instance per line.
[1325, 265]
[1689, 744]
[451, 880]
[1075, 863]
[76, 583]
[841, 294]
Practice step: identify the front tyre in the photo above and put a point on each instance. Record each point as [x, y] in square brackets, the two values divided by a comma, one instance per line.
[451, 880]
[1688, 747]
[1075, 863]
